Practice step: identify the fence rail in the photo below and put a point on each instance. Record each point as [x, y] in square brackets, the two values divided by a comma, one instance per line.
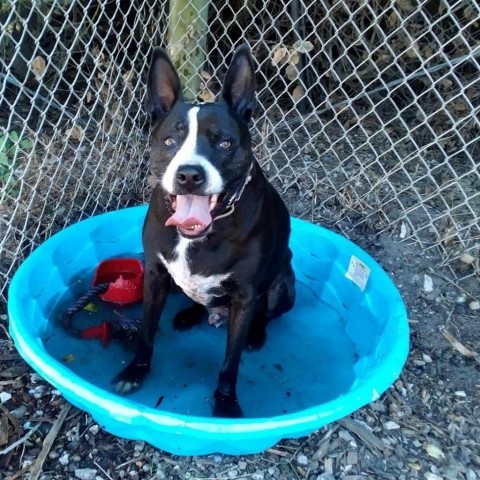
[368, 112]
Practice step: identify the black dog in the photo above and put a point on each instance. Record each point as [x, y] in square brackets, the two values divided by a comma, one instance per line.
[215, 225]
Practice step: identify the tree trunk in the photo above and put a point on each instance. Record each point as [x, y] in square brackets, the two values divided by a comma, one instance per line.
[187, 27]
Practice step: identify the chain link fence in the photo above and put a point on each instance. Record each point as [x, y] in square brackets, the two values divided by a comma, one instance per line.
[368, 111]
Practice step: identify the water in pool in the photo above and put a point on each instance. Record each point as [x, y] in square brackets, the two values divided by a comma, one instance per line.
[307, 360]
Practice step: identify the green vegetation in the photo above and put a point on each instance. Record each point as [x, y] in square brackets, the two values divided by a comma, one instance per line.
[11, 146]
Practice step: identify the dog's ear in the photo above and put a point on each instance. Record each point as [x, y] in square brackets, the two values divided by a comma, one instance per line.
[239, 86]
[163, 85]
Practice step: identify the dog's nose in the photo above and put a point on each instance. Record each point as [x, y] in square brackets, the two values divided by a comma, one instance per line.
[190, 176]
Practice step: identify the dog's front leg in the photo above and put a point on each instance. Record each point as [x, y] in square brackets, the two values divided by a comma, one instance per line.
[240, 316]
[155, 291]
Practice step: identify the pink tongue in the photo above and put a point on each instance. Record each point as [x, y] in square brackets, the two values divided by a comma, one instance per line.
[191, 210]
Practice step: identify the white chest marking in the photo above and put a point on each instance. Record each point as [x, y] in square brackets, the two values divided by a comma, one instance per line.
[187, 155]
[196, 286]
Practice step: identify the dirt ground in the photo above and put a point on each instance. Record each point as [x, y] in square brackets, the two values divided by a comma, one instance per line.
[426, 426]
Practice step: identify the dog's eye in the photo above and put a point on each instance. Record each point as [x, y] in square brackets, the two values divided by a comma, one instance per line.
[226, 144]
[169, 141]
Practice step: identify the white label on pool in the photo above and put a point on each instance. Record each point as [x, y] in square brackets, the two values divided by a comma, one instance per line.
[358, 272]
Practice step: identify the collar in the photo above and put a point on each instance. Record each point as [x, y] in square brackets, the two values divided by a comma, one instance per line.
[231, 204]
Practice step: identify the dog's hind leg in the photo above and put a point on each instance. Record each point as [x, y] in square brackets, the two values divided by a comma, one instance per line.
[188, 318]
[257, 334]
[278, 300]
[281, 296]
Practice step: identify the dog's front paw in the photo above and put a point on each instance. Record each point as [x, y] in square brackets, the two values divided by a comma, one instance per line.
[226, 406]
[129, 379]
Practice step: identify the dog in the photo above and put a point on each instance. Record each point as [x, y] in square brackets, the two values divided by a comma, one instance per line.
[215, 225]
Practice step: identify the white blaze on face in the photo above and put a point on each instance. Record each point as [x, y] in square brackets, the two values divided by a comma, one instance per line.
[187, 155]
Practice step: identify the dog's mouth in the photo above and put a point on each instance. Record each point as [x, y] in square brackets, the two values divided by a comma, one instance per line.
[192, 213]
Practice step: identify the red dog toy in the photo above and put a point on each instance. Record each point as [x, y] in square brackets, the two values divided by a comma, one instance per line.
[125, 276]
[120, 281]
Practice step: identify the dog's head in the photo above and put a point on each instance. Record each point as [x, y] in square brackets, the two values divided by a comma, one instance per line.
[201, 153]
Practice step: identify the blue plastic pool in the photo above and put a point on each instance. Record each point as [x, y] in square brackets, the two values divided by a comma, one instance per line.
[337, 350]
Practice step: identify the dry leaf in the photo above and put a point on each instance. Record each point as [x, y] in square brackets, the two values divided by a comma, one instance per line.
[405, 5]
[462, 298]
[474, 305]
[294, 57]
[446, 83]
[90, 307]
[414, 466]
[38, 67]
[207, 96]
[68, 358]
[392, 19]
[434, 451]
[291, 72]
[279, 55]
[298, 93]
[467, 258]
[127, 77]
[427, 52]
[450, 236]
[98, 57]
[303, 46]
[469, 13]
[413, 51]
[427, 358]
[460, 106]
[75, 132]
